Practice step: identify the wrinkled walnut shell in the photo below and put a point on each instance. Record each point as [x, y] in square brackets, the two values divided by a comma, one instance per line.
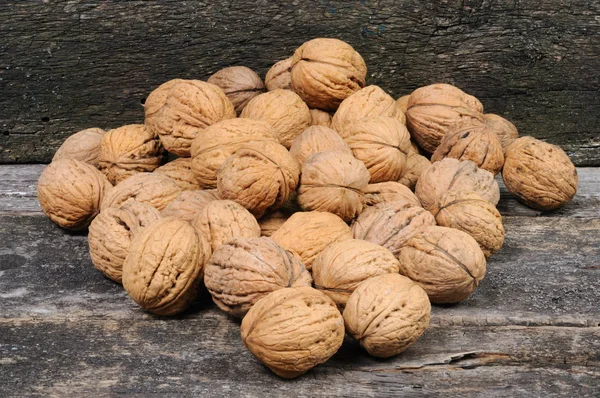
[402, 103]
[320, 118]
[279, 76]
[415, 166]
[83, 146]
[505, 130]
[188, 204]
[239, 83]
[272, 222]
[180, 171]
[391, 191]
[157, 190]
[317, 139]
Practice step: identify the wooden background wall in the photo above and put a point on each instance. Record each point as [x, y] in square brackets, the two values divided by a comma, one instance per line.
[67, 65]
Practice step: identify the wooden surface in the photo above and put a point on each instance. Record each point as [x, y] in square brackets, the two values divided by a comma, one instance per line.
[69, 65]
[531, 329]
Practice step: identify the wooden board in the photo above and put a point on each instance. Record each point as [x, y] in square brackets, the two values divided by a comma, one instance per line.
[65, 66]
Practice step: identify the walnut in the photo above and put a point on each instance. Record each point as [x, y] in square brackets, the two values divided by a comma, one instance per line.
[243, 270]
[387, 314]
[164, 267]
[272, 222]
[446, 262]
[415, 165]
[317, 139]
[391, 224]
[539, 174]
[382, 144]
[472, 141]
[180, 171]
[293, 330]
[260, 176]
[333, 182]
[451, 174]
[111, 232]
[188, 204]
[474, 215]
[83, 145]
[402, 103]
[306, 234]
[128, 150]
[70, 192]
[387, 192]
[327, 71]
[216, 143]
[181, 109]
[342, 266]
[367, 102]
[505, 130]
[320, 118]
[239, 83]
[433, 109]
[279, 76]
[157, 190]
[284, 110]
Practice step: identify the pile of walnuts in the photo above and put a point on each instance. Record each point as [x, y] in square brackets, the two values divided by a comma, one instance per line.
[306, 205]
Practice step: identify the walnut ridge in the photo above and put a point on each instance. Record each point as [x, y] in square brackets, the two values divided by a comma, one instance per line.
[279, 76]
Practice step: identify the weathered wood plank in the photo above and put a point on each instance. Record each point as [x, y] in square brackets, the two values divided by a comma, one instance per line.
[65, 66]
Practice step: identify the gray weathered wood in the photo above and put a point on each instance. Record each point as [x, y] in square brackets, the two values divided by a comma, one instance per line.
[65, 66]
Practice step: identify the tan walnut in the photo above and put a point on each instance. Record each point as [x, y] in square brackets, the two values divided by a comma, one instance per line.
[188, 204]
[111, 233]
[317, 139]
[83, 146]
[469, 212]
[272, 222]
[180, 171]
[382, 144]
[239, 83]
[505, 130]
[164, 267]
[293, 330]
[415, 165]
[433, 109]
[387, 314]
[306, 234]
[391, 225]
[157, 190]
[260, 176]
[387, 192]
[320, 118]
[539, 174]
[327, 71]
[70, 192]
[216, 143]
[182, 108]
[284, 110]
[446, 262]
[342, 266]
[402, 103]
[128, 150]
[243, 270]
[279, 76]
[452, 174]
[333, 181]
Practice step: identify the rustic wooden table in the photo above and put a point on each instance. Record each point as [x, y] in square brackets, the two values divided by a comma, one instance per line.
[531, 329]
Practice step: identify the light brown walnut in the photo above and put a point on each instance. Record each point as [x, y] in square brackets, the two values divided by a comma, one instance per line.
[188, 204]
[180, 171]
[83, 146]
[157, 190]
[415, 166]
[402, 103]
[239, 83]
[279, 76]
[391, 191]
[320, 118]
[505, 130]
[272, 222]
[317, 139]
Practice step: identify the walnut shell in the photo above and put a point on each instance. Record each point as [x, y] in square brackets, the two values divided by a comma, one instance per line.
[293, 330]
[391, 225]
[327, 71]
[391, 191]
[284, 110]
[342, 266]
[415, 166]
[111, 232]
[452, 174]
[469, 212]
[505, 130]
[239, 83]
[180, 171]
[157, 190]
[433, 109]
[387, 314]
[333, 182]
[368, 102]
[402, 103]
[446, 262]
[183, 108]
[83, 146]
[317, 139]
[70, 192]
[539, 174]
[306, 234]
[164, 267]
[382, 144]
[472, 141]
[279, 76]
[128, 150]
[272, 222]
[244, 270]
[188, 204]
[222, 220]
[260, 176]
[216, 143]
[320, 118]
